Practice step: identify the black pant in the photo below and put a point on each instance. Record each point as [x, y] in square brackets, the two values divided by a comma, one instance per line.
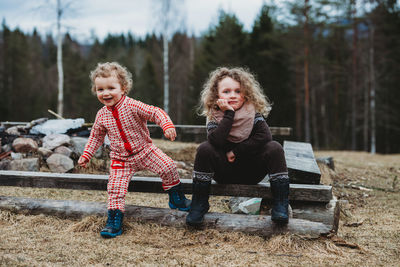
[245, 169]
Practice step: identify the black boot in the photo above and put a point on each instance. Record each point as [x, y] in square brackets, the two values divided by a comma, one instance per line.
[200, 205]
[280, 195]
[177, 199]
[114, 224]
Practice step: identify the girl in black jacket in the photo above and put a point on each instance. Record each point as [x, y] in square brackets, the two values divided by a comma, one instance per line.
[239, 148]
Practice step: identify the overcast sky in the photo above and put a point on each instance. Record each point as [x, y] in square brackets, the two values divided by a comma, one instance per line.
[99, 17]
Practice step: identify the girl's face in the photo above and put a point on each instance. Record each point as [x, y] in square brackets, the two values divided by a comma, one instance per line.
[229, 89]
[108, 90]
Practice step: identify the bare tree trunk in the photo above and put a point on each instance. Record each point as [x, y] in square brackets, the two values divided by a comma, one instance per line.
[324, 117]
[166, 73]
[373, 88]
[354, 88]
[367, 90]
[298, 103]
[314, 119]
[166, 7]
[59, 62]
[306, 78]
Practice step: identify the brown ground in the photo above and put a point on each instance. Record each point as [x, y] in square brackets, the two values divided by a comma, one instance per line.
[369, 231]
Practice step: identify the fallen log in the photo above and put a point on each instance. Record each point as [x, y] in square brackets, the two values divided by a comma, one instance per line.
[326, 213]
[250, 224]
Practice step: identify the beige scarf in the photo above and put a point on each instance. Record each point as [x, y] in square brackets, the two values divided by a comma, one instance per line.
[242, 122]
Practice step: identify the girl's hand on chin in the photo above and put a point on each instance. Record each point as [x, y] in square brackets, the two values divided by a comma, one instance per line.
[223, 105]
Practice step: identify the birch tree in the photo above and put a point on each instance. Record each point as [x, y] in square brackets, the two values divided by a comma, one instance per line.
[60, 8]
[170, 18]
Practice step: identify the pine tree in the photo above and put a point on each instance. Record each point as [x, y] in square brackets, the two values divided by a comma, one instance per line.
[223, 45]
[268, 59]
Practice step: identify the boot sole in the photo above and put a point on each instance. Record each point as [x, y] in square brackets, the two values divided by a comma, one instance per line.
[110, 235]
[280, 220]
[172, 206]
[194, 224]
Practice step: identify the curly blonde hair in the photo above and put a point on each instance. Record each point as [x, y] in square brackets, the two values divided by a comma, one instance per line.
[108, 69]
[248, 84]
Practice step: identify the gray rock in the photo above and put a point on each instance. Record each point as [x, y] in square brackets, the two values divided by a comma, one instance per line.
[5, 164]
[328, 161]
[246, 205]
[59, 163]
[44, 152]
[63, 150]
[16, 155]
[78, 146]
[55, 140]
[180, 164]
[6, 147]
[251, 206]
[234, 203]
[13, 130]
[24, 145]
[31, 164]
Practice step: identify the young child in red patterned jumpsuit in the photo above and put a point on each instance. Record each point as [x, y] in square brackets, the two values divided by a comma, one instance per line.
[124, 120]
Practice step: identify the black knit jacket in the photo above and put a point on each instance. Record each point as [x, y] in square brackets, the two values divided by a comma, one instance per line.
[217, 134]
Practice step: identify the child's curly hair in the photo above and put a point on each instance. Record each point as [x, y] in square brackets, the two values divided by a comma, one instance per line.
[248, 84]
[108, 69]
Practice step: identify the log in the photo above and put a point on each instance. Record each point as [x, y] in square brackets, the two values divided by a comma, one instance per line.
[250, 224]
[301, 163]
[326, 213]
[298, 192]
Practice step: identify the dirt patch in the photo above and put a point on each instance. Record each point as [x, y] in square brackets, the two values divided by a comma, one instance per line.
[369, 231]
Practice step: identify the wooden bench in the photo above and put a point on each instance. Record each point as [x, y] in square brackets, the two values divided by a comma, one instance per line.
[315, 212]
[198, 133]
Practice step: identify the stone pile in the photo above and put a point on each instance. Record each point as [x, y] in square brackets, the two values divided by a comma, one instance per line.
[57, 152]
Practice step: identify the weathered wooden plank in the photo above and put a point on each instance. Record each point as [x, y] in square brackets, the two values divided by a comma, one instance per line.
[298, 192]
[198, 133]
[301, 163]
[251, 224]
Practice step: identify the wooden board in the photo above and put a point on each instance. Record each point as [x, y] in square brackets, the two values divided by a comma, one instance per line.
[250, 224]
[301, 163]
[298, 192]
[198, 133]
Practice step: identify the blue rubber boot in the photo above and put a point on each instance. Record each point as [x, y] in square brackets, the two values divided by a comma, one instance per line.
[177, 199]
[280, 196]
[200, 204]
[114, 224]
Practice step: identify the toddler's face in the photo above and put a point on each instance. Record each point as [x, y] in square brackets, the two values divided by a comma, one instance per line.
[229, 90]
[108, 90]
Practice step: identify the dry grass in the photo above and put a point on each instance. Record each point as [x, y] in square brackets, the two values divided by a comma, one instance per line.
[369, 232]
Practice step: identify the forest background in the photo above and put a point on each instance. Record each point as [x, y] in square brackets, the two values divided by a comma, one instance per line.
[331, 71]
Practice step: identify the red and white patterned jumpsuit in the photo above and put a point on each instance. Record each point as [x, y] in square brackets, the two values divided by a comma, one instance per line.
[131, 146]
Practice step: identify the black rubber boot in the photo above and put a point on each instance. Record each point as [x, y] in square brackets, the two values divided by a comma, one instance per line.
[200, 205]
[177, 199]
[114, 224]
[280, 195]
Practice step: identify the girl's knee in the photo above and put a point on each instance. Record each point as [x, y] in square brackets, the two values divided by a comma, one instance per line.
[274, 149]
[205, 149]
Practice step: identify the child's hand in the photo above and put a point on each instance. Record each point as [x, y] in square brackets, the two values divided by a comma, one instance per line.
[83, 161]
[230, 156]
[170, 134]
[223, 105]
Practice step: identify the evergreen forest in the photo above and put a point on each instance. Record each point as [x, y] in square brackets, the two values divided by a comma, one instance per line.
[332, 71]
